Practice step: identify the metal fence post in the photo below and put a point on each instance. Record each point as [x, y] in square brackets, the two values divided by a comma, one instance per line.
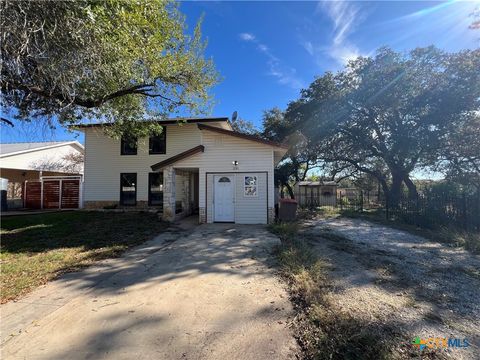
[361, 200]
[386, 208]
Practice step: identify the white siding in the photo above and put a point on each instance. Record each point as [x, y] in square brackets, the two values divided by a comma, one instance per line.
[103, 162]
[220, 151]
[34, 159]
[104, 165]
[248, 209]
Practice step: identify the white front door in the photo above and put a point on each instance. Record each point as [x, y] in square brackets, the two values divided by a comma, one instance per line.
[223, 197]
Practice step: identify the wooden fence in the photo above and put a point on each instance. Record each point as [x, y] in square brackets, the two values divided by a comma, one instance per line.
[53, 193]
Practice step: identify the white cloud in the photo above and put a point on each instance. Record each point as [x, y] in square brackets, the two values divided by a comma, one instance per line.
[345, 17]
[247, 36]
[263, 48]
[308, 46]
[284, 74]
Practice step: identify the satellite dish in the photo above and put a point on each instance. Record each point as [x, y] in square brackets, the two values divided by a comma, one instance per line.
[234, 116]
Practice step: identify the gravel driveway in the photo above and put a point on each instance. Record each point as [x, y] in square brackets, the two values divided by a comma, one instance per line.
[205, 293]
[427, 289]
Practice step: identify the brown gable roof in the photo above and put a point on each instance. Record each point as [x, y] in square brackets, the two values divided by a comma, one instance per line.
[241, 135]
[175, 158]
[161, 122]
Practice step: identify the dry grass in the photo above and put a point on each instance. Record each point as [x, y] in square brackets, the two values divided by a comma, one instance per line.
[38, 248]
[323, 330]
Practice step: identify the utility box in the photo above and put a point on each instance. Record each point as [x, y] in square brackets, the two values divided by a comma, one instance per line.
[3, 190]
[287, 210]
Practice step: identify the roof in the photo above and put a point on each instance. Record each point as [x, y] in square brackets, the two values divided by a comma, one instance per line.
[242, 136]
[317, 183]
[165, 122]
[9, 149]
[178, 157]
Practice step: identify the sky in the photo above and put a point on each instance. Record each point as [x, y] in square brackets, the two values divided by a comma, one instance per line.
[266, 52]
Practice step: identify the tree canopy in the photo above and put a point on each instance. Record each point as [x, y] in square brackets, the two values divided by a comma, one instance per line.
[301, 155]
[389, 114]
[113, 60]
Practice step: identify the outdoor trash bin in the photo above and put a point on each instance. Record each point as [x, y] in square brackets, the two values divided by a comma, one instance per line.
[287, 210]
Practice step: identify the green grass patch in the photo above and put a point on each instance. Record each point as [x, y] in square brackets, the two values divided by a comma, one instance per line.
[38, 248]
[323, 330]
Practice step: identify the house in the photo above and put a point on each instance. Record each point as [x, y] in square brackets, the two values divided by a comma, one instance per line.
[196, 166]
[316, 193]
[29, 161]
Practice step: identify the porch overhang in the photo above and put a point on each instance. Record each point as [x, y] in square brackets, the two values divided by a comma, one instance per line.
[183, 155]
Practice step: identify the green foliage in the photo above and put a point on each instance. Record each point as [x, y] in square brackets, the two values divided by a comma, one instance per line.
[244, 126]
[460, 155]
[300, 157]
[285, 230]
[113, 61]
[389, 114]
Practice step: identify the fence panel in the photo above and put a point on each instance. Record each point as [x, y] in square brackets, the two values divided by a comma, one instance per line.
[63, 193]
[427, 210]
[51, 194]
[33, 194]
[435, 210]
[70, 194]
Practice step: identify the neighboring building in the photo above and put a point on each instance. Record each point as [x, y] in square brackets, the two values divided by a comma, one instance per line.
[20, 162]
[195, 166]
[316, 193]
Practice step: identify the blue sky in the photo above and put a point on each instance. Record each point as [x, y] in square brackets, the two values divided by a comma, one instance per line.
[267, 51]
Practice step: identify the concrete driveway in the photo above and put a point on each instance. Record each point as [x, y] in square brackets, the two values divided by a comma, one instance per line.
[203, 293]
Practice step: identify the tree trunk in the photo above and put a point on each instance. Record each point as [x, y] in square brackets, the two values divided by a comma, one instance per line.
[412, 188]
[290, 190]
[395, 191]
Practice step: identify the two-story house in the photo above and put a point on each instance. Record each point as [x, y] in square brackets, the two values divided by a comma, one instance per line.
[195, 166]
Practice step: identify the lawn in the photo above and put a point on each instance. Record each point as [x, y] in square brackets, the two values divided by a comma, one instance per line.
[38, 248]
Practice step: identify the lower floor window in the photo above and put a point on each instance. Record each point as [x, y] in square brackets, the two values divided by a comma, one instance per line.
[155, 189]
[128, 188]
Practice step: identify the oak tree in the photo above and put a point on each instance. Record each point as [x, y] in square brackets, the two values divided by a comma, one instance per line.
[113, 61]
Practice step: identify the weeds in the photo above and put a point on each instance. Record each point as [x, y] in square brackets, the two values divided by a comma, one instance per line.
[322, 329]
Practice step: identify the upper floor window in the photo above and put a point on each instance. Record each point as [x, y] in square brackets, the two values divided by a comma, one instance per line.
[128, 146]
[157, 144]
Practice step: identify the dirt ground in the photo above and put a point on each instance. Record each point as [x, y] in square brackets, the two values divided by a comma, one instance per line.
[420, 287]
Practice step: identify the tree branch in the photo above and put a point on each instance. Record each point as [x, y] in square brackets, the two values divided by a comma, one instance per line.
[6, 121]
[140, 89]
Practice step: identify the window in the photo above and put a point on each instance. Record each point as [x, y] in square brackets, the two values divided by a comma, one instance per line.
[155, 189]
[158, 144]
[128, 188]
[224, 179]
[250, 186]
[128, 146]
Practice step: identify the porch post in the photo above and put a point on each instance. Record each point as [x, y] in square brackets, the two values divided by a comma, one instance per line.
[186, 188]
[168, 194]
